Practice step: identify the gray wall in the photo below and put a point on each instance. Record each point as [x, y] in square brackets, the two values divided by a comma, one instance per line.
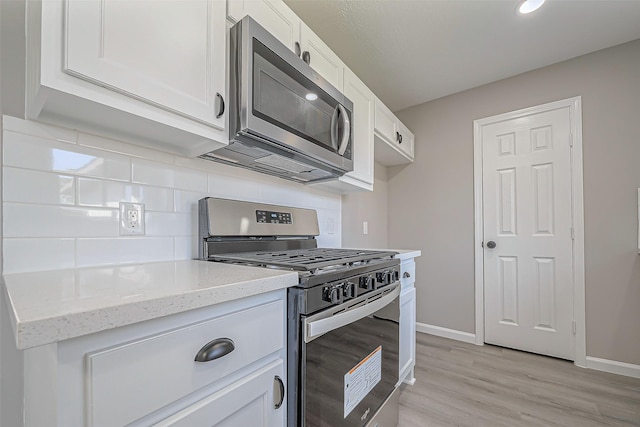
[431, 201]
[370, 206]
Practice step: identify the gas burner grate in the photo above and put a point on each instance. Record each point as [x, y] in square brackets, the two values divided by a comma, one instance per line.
[304, 259]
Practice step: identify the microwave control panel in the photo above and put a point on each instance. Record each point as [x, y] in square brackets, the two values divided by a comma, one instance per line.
[269, 217]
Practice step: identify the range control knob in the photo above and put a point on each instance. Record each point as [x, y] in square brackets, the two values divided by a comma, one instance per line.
[332, 294]
[383, 278]
[368, 282]
[349, 290]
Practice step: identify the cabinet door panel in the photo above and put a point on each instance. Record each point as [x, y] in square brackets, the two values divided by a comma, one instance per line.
[407, 349]
[248, 402]
[385, 123]
[274, 16]
[166, 53]
[407, 144]
[363, 111]
[323, 60]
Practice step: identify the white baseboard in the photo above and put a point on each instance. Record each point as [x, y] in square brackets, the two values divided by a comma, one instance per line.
[613, 367]
[446, 333]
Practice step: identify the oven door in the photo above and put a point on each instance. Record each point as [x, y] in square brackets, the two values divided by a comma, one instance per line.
[350, 360]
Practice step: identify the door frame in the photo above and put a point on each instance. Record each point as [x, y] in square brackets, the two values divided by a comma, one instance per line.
[577, 216]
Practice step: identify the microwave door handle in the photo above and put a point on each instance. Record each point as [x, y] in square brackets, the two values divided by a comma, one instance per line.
[346, 130]
[334, 127]
[315, 328]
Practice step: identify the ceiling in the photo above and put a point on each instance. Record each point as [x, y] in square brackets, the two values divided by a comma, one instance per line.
[410, 52]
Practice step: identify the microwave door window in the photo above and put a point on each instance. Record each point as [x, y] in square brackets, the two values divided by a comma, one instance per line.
[280, 98]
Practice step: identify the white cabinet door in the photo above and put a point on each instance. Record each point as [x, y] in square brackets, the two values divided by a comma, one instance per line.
[322, 59]
[363, 115]
[407, 351]
[167, 54]
[405, 139]
[385, 123]
[393, 140]
[273, 15]
[248, 402]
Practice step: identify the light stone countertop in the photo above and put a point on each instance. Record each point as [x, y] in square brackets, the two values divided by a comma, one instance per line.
[50, 306]
[407, 253]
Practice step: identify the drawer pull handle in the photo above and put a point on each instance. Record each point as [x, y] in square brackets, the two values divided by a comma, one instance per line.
[406, 275]
[278, 392]
[215, 350]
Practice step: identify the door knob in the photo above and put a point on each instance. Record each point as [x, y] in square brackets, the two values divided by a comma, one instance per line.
[491, 244]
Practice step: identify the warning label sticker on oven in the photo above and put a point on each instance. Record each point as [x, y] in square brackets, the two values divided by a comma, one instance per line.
[361, 379]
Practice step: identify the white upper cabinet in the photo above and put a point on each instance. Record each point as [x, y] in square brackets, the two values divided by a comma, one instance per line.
[361, 178]
[151, 71]
[273, 15]
[393, 140]
[363, 113]
[284, 24]
[322, 59]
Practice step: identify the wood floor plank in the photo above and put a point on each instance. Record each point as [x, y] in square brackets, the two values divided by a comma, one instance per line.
[460, 384]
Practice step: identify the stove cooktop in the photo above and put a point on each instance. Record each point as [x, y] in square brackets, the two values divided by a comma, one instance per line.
[305, 260]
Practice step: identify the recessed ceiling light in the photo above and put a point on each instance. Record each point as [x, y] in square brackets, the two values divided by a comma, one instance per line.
[311, 96]
[528, 6]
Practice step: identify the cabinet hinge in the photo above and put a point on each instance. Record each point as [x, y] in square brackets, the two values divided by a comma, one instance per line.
[570, 139]
[573, 233]
[573, 327]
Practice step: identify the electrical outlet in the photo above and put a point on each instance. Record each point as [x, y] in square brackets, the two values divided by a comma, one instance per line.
[331, 226]
[365, 227]
[131, 219]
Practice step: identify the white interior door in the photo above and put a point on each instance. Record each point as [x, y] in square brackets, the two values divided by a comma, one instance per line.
[528, 274]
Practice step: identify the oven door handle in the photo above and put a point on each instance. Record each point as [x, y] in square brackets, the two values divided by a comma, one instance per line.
[315, 328]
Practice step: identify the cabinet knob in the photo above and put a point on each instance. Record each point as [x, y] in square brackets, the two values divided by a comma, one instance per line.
[219, 106]
[278, 392]
[406, 274]
[215, 350]
[400, 138]
[306, 57]
[297, 48]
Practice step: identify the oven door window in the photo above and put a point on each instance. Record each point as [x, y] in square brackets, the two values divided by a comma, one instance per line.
[331, 361]
[286, 98]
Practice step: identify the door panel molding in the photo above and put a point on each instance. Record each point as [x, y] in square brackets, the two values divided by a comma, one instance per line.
[574, 105]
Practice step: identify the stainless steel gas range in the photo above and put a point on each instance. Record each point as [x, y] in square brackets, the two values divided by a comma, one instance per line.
[343, 316]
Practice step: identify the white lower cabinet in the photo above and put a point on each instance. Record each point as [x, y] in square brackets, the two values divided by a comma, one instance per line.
[248, 402]
[146, 374]
[407, 351]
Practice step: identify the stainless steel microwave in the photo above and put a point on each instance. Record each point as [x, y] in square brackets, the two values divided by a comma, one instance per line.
[284, 118]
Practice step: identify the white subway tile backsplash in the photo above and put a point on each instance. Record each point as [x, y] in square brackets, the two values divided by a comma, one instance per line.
[168, 224]
[26, 151]
[187, 201]
[120, 147]
[123, 250]
[24, 185]
[185, 247]
[98, 192]
[228, 187]
[29, 220]
[62, 189]
[153, 173]
[39, 254]
[42, 130]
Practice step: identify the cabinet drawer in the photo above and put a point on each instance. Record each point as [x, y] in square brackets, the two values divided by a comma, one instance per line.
[161, 369]
[407, 268]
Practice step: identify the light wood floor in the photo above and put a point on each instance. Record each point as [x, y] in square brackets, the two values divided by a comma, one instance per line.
[461, 384]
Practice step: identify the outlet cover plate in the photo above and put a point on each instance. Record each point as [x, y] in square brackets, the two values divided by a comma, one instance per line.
[131, 219]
